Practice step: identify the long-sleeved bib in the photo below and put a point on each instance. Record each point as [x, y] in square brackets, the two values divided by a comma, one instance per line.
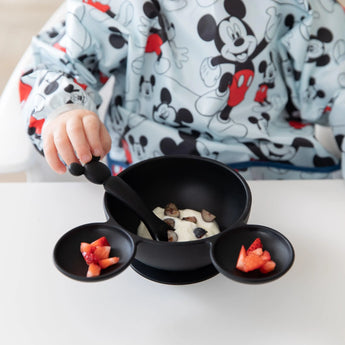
[243, 82]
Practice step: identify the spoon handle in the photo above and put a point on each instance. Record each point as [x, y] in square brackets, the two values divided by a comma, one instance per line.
[99, 173]
[125, 194]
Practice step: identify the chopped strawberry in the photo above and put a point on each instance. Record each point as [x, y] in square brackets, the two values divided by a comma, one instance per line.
[102, 252]
[102, 241]
[256, 244]
[108, 262]
[96, 255]
[268, 266]
[87, 250]
[241, 258]
[85, 247]
[266, 256]
[257, 251]
[255, 258]
[94, 270]
[252, 262]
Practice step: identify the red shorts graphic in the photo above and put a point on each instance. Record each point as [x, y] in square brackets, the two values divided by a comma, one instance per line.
[261, 94]
[153, 44]
[240, 85]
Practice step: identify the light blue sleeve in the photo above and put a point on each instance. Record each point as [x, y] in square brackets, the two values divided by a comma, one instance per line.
[72, 61]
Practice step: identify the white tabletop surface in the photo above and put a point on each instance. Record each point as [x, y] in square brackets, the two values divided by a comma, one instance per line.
[39, 305]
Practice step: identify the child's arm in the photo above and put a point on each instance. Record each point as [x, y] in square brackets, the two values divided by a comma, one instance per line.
[59, 91]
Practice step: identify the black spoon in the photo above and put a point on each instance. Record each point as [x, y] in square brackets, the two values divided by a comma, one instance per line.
[98, 173]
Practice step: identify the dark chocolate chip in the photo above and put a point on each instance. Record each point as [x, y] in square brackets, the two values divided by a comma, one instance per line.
[170, 222]
[171, 210]
[207, 216]
[172, 236]
[199, 232]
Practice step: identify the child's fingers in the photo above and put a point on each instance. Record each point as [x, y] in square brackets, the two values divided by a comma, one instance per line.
[105, 139]
[51, 154]
[91, 125]
[78, 139]
[64, 146]
[74, 137]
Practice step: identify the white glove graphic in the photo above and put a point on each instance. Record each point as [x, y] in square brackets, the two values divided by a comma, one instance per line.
[209, 74]
[180, 54]
[272, 24]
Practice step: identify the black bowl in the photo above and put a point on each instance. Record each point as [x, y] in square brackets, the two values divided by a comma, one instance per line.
[190, 182]
[69, 260]
[226, 249]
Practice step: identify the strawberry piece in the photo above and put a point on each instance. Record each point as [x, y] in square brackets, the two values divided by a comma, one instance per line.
[94, 270]
[108, 262]
[102, 241]
[241, 258]
[252, 262]
[87, 250]
[85, 247]
[255, 258]
[268, 266]
[255, 245]
[96, 255]
[101, 253]
[266, 256]
[257, 251]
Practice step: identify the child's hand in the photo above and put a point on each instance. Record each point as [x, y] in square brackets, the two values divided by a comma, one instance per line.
[74, 136]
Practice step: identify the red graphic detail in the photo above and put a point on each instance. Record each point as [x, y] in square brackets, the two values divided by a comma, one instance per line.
[116, 169]
[238, 91]
[128, 154]
[103, 78]
[83, 86]
[58, 46]
[261, 94]
[37, 124]
[297, 124]
[327, 109]
[153, 44]
[24, 91]
[98, 5]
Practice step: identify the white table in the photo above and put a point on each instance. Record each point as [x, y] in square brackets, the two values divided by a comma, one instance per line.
[39, 305]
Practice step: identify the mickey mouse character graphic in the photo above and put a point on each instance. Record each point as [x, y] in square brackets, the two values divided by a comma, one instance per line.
[311, 93]
[316, 47]
[166, 113]
[269, 71]
[163, 31]
[265, 150]
[238, 46]
[260, 121]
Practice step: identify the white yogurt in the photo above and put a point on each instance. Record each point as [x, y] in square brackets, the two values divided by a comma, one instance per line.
[184, 229]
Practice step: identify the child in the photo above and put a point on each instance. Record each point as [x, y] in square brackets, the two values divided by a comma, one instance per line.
[241, 81]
